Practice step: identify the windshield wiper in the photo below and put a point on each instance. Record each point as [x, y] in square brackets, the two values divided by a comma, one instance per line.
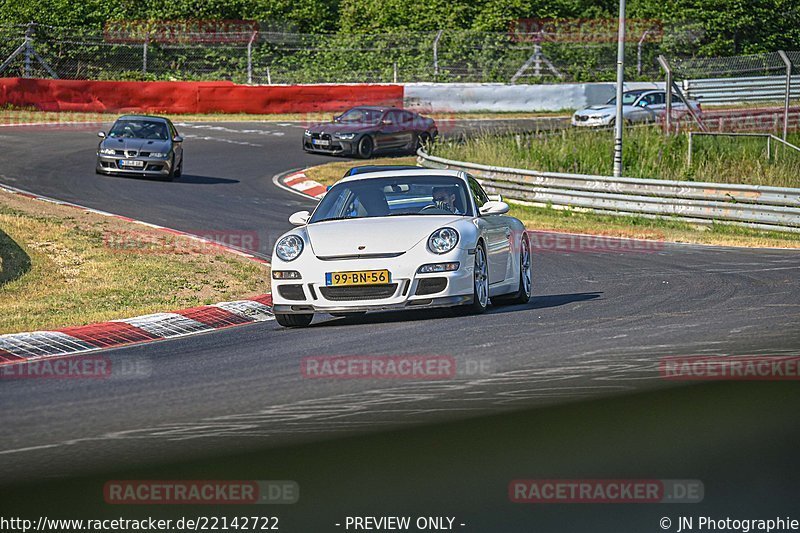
[336, 218]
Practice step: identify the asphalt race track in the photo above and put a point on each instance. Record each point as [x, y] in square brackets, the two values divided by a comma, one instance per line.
[597, 327]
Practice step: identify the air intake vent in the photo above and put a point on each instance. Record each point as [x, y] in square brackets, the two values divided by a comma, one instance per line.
[364, 292]
[430, 286]
[291, 292]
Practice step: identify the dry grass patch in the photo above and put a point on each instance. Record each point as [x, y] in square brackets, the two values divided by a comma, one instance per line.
[64, 267]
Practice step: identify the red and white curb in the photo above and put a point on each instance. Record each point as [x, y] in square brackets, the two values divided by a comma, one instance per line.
[22, 347]
[298, 181]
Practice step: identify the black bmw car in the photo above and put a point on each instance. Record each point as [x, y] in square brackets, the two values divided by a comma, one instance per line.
[141, 145]
[364, 131]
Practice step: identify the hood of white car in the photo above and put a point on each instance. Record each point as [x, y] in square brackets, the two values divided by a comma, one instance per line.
[365, 236]
[600, 110]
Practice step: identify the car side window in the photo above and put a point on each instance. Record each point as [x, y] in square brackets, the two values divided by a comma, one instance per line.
[407, 118]
[478, 194]
[658, 98]
[645, 100]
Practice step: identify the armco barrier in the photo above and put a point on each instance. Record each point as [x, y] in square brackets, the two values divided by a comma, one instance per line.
[771, 208]
[502, 97]
[190, 97]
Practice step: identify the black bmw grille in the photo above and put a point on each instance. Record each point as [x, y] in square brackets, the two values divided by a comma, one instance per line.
[364, 292]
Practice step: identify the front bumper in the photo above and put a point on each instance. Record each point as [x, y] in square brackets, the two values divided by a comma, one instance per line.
[110, 164]
[336, 146]
[589, 122]
[407, 288]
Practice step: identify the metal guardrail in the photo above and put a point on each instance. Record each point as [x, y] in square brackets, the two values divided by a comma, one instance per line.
[737, 90]
[768, 208]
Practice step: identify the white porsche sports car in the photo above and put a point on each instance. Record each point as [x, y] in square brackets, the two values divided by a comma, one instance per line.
[400, 239]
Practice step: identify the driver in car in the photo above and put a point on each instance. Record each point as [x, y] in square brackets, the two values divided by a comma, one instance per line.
[445, 198]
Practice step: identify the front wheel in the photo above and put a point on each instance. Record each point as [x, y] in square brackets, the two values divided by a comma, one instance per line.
[480, 285]
[423, 139]
[365, 147]
[179, 171]
[294, 321]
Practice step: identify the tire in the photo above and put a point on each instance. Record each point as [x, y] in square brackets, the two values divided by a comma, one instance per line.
[523, 293]
[480, 285]
[171, 175]
[422, 139]
[365, 147]
[179, 171]
[294, 321]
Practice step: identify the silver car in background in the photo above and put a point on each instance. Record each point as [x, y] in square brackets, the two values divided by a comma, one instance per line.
[639, 106]
[141, 145]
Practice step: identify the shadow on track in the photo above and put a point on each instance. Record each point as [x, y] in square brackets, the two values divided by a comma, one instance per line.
[203, 180]
[387, 317]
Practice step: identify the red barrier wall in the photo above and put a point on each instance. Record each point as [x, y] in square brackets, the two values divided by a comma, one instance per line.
[190, 97]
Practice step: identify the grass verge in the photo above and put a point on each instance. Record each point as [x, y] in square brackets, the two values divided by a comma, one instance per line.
[648, 154]
[60, 267]
[573, 221]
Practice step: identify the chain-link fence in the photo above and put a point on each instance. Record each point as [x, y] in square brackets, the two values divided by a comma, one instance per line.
[261, 56]
[747, 93]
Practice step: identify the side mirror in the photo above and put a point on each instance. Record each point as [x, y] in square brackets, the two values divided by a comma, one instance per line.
[101, 134]
[177, 139]
[300, 218]
[336, 118]
[386, 122]
[494, 208]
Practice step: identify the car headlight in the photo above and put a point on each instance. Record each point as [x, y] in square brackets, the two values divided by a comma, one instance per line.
[442, 240]
[106, 151]
[307, 133]
[344, 136]
[159, 154]
[289, 248]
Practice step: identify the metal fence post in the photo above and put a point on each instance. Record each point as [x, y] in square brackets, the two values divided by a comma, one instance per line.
[250, 59]
[668, 94]
[144, 55]
[395, 72]
[787, 92]
[639, 53]
[28, 48]
[436, 53]
[618, 124]
[689, 157]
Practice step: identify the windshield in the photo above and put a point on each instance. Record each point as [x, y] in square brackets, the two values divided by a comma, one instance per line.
[140, 129]
[627, 99]
[385, 197]
[361, 116]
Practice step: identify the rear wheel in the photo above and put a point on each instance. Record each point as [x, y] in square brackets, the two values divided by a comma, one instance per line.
[294, 321]
[480, 285]
[365, 147]
[523, 292]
